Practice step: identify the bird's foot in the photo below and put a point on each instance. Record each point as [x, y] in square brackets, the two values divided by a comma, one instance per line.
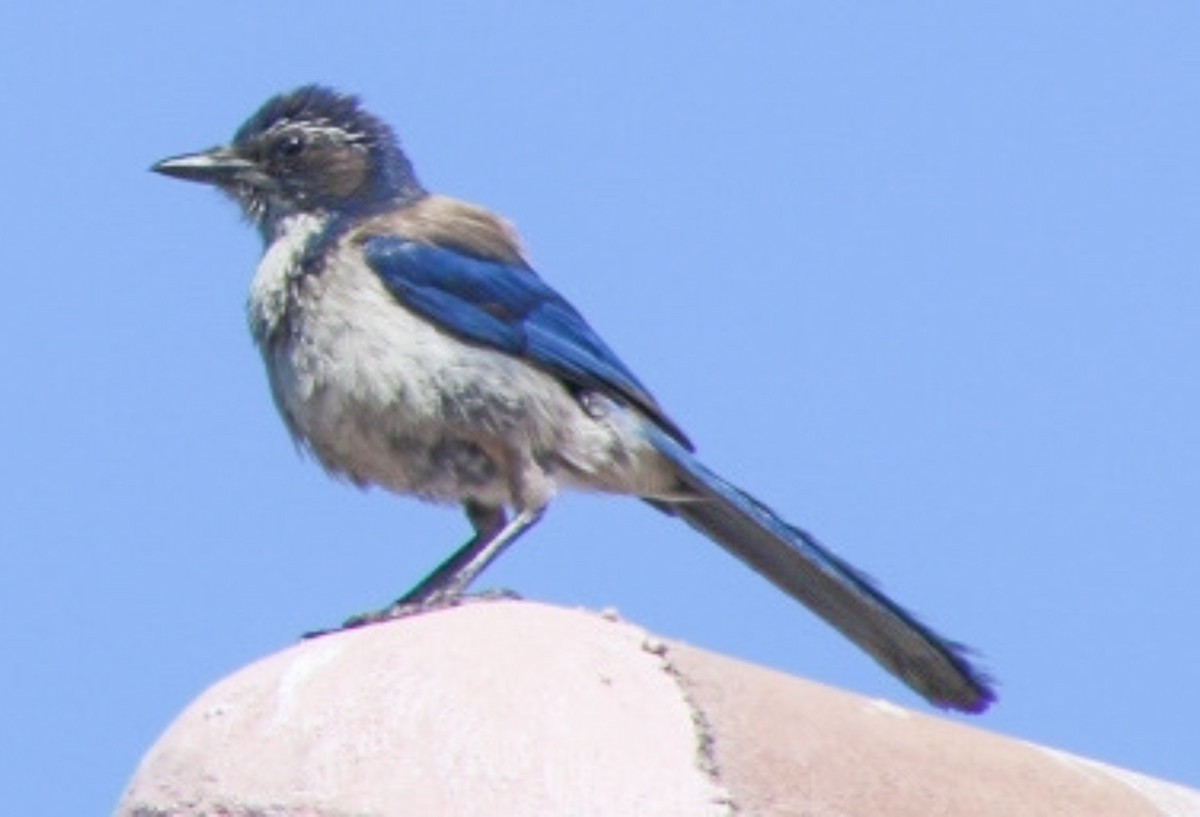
[404, 609]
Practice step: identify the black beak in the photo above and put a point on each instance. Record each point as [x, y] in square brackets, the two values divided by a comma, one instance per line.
[219, 166]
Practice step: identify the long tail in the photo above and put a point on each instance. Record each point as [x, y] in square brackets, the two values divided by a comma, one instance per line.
[801, 567]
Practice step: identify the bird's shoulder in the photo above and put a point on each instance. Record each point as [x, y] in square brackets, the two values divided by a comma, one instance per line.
[461, 267]
[442, 221]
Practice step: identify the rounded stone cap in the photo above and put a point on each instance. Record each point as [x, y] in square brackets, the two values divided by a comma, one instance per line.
[513, 708]
[489, 708]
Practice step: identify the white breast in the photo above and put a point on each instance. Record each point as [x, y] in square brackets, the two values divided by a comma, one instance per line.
[375, 391]
[277, 271]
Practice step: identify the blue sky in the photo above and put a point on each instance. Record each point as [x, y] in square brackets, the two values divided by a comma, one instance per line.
[922, 277]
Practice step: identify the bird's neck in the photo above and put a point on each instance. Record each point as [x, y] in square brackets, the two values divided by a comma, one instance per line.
[283, 262]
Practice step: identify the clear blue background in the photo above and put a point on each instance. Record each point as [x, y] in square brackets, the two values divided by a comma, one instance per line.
[922, 275]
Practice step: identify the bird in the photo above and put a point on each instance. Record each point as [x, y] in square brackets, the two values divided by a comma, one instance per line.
[410, 345]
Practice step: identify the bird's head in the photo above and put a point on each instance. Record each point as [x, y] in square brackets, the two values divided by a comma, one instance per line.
[313, 151]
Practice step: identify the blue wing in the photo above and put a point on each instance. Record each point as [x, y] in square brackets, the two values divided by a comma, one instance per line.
[509, 308]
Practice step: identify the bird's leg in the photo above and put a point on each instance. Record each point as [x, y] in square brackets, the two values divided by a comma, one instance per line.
[476, 561]
[531, 490]
[488, 521]
[448, 582]
[434, 590]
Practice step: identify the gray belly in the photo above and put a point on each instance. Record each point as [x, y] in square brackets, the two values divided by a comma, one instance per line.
[407, 407]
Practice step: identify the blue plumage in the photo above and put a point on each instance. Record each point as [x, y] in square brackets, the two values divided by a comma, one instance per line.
[509, 308]
[408, 344]
[831, 587]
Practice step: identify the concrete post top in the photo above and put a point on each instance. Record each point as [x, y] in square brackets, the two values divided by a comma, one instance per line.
[514, 708]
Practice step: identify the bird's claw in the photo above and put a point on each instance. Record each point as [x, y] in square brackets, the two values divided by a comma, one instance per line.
[404, 609]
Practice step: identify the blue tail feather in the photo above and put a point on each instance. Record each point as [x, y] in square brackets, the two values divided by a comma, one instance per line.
[798, 564]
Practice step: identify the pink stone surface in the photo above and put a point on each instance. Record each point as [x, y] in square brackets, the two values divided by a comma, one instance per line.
[786, 747]
[513, 708]
[491, 708]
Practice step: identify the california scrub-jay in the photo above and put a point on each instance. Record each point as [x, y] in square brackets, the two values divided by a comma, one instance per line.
[410, 345]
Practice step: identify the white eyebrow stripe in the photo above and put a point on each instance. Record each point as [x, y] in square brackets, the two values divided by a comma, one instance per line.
[319, 127]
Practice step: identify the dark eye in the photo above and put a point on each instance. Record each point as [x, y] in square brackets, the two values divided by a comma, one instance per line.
[291, 145]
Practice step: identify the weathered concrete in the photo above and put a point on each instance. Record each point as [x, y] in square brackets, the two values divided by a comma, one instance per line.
[513, 709]
[492, 708]
[785, 747]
